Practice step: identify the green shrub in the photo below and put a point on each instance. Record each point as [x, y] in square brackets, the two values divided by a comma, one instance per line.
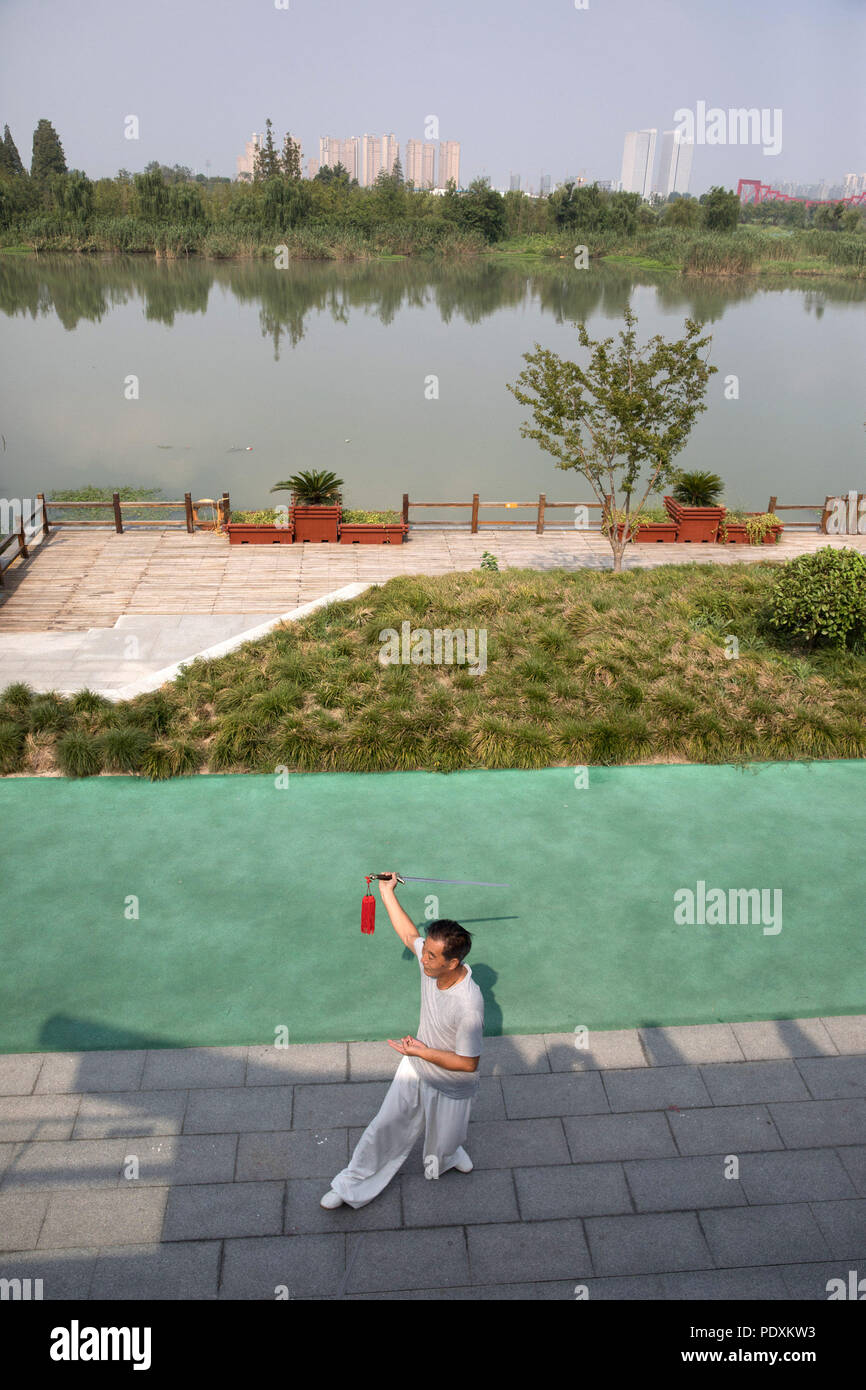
[822, 598]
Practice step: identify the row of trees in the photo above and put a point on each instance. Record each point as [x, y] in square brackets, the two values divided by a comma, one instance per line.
[279, 198]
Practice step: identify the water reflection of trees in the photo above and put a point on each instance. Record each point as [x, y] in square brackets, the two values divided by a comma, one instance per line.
[472, 289]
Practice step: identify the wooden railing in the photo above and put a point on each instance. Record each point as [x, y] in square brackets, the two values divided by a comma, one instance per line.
[541, 508]
[190, 520]
[19, 538]
[773, 506]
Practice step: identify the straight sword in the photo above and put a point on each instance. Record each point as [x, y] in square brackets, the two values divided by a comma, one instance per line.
[411, 878]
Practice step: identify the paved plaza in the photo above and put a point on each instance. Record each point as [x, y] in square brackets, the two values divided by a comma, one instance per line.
[102, 610]
[602, 1168]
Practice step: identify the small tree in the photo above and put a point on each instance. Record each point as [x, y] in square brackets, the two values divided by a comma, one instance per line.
[631, 410]
[10, 159]
[682, 212]
[48, 157]
[291, 160]
[267, 160]
[721, 210]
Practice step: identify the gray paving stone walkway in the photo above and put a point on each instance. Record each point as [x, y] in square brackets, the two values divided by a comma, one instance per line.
[196, 1173]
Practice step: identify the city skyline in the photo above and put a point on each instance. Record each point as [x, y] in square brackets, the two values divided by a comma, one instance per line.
[632, 61]
[364, 157]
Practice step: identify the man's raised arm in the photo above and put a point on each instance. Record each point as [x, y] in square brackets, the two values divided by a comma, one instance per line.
[400, 920]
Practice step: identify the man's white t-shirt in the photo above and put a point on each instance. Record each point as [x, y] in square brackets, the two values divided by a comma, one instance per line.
[452, 1020]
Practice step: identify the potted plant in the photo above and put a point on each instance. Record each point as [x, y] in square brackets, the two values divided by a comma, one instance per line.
[653, 525]
[763, 528]
[732, 529]
[372, 528]
[693, 506]
[750, 528]
[270, 527]
[315, 509]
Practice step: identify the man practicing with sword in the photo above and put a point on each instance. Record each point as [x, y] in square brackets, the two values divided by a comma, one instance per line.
[436, 1081]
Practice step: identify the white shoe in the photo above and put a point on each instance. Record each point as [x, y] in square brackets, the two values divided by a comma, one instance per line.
[464, 1163]
[331, 1200]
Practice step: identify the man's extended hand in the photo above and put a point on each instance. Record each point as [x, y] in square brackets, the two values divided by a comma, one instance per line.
[387, 883]
[410, 1047]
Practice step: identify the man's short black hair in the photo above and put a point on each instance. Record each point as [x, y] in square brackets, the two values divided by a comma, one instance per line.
[456, 940]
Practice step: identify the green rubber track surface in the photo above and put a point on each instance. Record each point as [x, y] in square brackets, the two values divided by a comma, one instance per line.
[249, 895]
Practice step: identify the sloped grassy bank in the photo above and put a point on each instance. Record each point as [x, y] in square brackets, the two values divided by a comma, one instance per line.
[582, 668]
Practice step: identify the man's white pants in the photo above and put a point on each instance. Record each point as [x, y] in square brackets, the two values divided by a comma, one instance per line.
[411, 1105]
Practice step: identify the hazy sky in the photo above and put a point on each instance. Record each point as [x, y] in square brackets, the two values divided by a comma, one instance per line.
[523, 86]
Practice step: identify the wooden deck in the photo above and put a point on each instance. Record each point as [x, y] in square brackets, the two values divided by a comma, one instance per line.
[77, 580]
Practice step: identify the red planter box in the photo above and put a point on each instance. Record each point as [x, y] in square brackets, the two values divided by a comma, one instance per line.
[695, 524]
[657, 532]
[361, 533]
[773, 534]
[738, 535]
[316, 523]
[372, 533]
[249, 533]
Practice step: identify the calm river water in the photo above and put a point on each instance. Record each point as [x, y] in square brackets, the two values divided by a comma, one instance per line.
[331, 366]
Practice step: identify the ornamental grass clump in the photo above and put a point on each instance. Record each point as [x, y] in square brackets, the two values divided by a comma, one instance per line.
[79, 754]
[123, 748]
[11, 746]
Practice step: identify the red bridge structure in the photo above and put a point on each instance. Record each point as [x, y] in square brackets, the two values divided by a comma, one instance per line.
[753, 191]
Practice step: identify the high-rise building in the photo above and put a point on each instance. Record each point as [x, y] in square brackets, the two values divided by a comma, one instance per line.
[246, 162]
[371, 159]
[514, 185]
[377, 152]
[544, 187]
[675, 164]
[390, 152]
[638, 157]
[312, 168]
[333, 151]
[420, 158]
[449, 163]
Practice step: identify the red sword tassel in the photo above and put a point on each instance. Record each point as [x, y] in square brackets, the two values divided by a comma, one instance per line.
[368, 912]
